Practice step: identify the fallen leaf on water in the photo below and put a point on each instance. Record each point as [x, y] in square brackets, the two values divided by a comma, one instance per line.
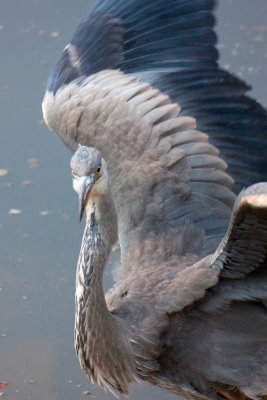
[33, 163]
[3, 172]
[26, 183]
[45, 212]
[15, 211]
[2, 385]
[54, 34]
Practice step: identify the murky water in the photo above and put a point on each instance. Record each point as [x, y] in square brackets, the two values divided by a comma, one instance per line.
[40, 245]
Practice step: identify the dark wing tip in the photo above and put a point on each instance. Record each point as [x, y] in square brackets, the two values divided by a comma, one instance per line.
[96, 44]
[138, 36]
[99, 42]
[62, 73]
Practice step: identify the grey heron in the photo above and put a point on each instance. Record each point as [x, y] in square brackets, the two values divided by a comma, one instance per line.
[139, 81]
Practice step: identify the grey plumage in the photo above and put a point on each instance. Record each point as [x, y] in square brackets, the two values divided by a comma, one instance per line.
[92, 342]
[180, 321]
[86, 161]
[188, 310]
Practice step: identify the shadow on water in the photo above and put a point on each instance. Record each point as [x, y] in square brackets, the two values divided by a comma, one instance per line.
[40, 245]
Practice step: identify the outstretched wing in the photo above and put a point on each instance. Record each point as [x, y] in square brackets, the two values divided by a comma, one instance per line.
[215, 309]
[237, 270]
[240, 261]
[226, 324]
[166, 177]
[138, 36]
[173, 48]
[244, 247]
[235, 123]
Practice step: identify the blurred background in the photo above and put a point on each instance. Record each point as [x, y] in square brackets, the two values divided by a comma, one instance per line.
[40, 233]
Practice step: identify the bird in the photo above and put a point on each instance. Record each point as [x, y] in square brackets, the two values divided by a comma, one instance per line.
[196, 327]
[170, 160]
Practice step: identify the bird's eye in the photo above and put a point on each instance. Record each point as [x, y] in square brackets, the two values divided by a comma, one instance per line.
[73, 173]
[98, 170]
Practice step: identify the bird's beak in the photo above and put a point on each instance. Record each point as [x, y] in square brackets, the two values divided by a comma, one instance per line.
[84, 195]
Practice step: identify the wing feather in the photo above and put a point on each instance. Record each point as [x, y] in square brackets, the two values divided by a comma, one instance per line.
[173, 48]
[152, 146]
[235, 123]
[244, 248]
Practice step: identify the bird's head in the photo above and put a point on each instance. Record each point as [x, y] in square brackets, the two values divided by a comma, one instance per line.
[89, 173]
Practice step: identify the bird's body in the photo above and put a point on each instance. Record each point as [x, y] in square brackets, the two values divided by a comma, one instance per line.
[170, 319]
[188, 310]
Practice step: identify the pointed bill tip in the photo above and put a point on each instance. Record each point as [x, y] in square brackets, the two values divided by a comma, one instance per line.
[84, 195]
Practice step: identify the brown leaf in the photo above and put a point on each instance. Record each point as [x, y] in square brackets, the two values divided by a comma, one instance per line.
[2, 385]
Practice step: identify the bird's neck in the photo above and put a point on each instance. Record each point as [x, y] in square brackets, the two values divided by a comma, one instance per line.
[100, 338]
